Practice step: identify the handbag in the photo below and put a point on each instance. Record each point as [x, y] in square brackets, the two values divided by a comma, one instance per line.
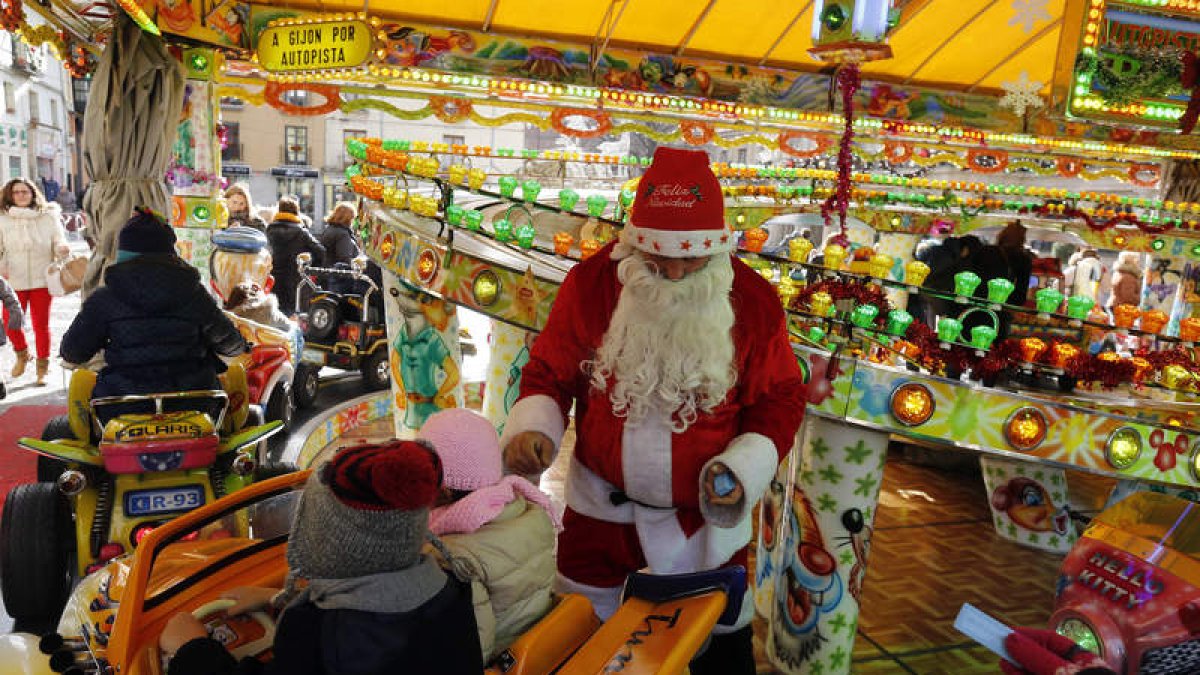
[65, 276]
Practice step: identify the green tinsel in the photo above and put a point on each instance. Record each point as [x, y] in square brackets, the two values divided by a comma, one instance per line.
[1157, 74]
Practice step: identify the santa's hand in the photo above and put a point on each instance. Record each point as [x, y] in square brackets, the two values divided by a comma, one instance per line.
[721, 487]
[1044, 652]
[529, 452]
[180, 630]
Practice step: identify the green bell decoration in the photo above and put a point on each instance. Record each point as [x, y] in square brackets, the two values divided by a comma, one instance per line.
[898, 322]
[503, 229]
[596, 205]
[965, 284]
[525, 235]
[567, 199]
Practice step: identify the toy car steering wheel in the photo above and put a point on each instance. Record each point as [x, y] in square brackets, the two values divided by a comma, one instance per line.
[250, 634]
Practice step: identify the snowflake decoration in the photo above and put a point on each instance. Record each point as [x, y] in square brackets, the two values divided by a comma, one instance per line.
[1021, 95]
[1026, 13]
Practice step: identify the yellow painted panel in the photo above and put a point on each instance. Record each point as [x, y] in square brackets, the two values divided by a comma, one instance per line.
[1037, 60]
[578, 18]
[911, 42]
[793, 48]
[742, 29]
[654, 22]
[426, 11]
[986, 43]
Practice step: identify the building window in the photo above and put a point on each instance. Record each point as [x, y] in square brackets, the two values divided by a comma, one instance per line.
[34, 105]
[295, 145]
[347, 134]
[296, 97]
[454, 139]
[303, 189]
[232, 152]
[54, 113]
[10, 99]
[14, 167]
[232, 103]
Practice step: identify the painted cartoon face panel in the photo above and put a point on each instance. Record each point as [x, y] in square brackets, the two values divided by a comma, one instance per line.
[808, 586]
[1028, 504]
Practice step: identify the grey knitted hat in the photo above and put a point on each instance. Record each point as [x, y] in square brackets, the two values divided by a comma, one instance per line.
[366, 511]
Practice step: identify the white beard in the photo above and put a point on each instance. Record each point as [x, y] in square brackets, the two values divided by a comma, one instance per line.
[669, 344]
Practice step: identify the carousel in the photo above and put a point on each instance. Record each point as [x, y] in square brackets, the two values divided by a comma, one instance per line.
[851, 138]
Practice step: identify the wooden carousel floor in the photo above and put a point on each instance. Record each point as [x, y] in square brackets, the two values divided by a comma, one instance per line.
[933, 549]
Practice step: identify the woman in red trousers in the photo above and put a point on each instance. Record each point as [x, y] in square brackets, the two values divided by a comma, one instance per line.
[31, 236]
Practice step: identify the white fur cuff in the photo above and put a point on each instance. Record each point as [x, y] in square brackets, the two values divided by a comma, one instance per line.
[604, 600]
[535, 413]
[753, 459]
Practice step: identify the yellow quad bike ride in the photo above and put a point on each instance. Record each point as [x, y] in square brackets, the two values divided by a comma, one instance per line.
[114, 618]
[124, 465]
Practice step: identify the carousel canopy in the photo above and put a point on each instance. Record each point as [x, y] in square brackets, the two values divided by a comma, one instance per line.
[966, 45]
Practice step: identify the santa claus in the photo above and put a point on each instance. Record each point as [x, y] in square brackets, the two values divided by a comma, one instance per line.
[686, 394]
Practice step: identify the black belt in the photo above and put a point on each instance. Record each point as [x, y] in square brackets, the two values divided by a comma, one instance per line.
[617, 497]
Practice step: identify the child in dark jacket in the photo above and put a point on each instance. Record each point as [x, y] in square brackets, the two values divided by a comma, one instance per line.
[374, 604]
[159, 329]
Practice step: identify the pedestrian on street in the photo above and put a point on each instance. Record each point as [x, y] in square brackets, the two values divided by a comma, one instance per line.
[289, 238]
[31, 237]
[338, 238]
[241, 208]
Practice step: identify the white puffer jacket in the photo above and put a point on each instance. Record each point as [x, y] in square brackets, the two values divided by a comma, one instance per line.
[29, 240]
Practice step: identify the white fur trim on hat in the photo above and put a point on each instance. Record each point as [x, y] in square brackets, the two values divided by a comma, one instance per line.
[679, 243]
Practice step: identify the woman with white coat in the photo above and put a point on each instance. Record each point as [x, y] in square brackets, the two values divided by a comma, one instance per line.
[31, 237]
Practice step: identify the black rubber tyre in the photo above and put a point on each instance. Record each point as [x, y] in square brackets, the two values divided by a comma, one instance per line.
[36, 546]
[279, 407]
[376, 373]
[305, 385]
[322, 319]
[48, 468]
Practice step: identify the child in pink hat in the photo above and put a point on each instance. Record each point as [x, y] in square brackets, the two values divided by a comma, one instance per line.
[497, 531]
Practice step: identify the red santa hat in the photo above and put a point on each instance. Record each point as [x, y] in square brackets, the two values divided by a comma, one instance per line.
[678, 211]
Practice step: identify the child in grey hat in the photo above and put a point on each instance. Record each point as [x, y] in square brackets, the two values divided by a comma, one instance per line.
[373, 604]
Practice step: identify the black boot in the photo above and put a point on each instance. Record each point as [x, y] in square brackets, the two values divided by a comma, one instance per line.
[729, 654]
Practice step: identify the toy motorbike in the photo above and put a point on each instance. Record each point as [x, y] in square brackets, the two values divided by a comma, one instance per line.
[341, 330]
[129, 464]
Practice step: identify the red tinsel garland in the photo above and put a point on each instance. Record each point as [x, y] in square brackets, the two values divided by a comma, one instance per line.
[839, 201]
[1107, 373]
[1161, 359]
[1001, 357]
[840, 289]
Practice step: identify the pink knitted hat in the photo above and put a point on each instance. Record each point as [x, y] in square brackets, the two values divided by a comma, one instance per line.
[468, 445]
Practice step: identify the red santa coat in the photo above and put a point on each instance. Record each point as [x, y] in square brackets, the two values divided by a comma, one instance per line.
[750, 431]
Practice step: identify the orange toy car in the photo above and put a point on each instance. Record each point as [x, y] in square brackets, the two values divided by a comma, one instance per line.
[114, 618]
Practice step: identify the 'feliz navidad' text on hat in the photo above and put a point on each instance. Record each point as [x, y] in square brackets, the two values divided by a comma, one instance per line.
[679, 211]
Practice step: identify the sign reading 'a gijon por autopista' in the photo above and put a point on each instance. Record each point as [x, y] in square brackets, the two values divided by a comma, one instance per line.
[314, 46]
